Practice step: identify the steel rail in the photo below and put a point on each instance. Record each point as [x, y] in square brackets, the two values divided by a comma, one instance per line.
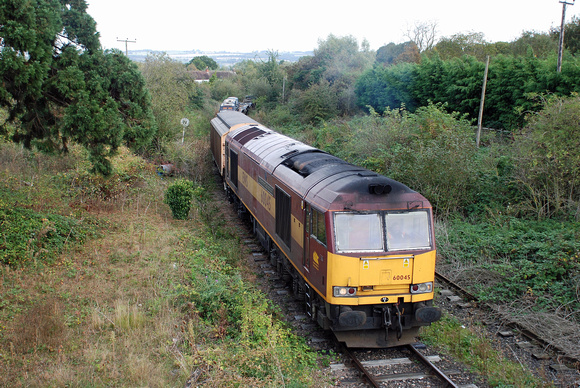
[468, 294]
[437, 371]
[360, 367]
[524, 331]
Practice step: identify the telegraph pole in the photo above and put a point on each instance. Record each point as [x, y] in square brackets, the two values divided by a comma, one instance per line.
[480, 117]
[126, 41]
[561, 45]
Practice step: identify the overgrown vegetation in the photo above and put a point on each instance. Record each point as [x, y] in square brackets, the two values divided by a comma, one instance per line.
[146, 301]
[457, 82]
[252, 346]
[519, 259]
[472, 347]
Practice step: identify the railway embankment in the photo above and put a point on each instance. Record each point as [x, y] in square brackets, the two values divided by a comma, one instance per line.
[111, 290]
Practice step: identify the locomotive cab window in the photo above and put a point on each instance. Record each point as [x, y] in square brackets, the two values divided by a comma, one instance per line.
[366, 232]
[318, 226]
[408, 231]
[358, 232]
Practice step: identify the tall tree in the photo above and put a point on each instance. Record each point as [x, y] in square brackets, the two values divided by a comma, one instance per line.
[334, 68]
[423, 34]
[172, 88]
[60, 87]
[458, 45]
[271, 71]
[571, 35]
[536, 44]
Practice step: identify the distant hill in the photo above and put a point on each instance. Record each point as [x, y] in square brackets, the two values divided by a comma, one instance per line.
[223, 58]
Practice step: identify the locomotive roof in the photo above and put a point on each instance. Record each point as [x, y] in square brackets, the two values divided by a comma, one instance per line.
[228, 118]
[317, 176]
[331, 182]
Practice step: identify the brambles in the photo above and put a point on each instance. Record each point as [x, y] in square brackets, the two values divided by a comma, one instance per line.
[29, 236]
[518, 259]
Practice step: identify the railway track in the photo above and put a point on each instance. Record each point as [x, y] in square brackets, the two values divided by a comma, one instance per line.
[396, 367]
[523, 331]
[542, 357]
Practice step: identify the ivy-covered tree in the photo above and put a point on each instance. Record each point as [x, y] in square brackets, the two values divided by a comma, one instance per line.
[306, 72]
[58, 85]
[317, 104]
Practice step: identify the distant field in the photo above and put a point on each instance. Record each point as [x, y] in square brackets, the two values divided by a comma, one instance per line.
[223, 58]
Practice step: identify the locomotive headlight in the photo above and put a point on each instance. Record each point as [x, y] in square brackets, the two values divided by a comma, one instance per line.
[344, 291]
[421, 288]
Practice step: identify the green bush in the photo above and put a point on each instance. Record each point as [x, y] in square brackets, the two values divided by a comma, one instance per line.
[431, 151]
[548, 159]
[179, 196]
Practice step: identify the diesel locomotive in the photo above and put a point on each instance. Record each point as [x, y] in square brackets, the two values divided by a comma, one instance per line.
[357, 247]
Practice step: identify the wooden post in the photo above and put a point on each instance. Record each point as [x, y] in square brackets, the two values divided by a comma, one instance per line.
[561, 42]
[479, 119]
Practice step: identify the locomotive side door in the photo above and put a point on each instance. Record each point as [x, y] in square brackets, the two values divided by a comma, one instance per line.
[307, 232]
[314, 259]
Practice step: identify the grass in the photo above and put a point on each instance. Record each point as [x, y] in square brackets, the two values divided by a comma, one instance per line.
[472, 346]
[122, 306]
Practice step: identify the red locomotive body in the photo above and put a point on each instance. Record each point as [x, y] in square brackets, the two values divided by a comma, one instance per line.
[358, 247]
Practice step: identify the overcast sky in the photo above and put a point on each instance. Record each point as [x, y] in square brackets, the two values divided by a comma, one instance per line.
[297, 25]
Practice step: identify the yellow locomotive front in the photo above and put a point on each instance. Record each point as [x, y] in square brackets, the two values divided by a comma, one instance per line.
[380, 263]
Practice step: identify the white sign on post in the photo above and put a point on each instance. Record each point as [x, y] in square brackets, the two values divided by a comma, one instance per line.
[185, 123]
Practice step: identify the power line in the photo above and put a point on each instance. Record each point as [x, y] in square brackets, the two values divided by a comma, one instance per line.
[561, 44]
[126, 41]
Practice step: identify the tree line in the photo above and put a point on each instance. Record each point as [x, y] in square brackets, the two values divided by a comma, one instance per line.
[514, 86]
[59, 86]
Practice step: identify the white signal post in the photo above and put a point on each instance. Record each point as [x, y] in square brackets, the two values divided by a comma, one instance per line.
[185, 123]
